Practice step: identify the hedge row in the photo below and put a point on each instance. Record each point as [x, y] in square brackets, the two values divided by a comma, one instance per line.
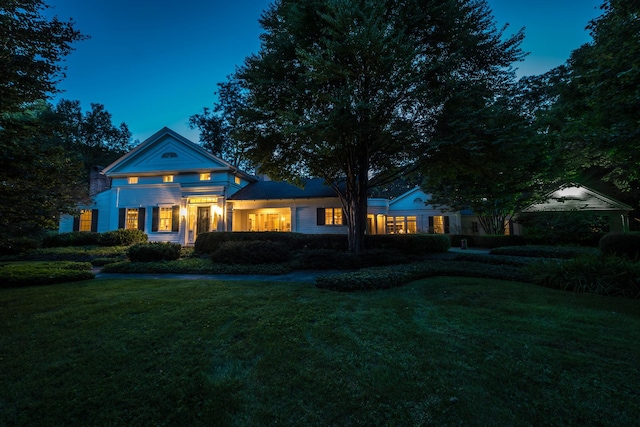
[621, 244]
[209, 243]
[154, 251]
[120, 237]
[488, 241]
[43, 273]
[533, 251]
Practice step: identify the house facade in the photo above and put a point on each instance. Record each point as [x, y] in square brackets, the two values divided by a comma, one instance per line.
[174, 190]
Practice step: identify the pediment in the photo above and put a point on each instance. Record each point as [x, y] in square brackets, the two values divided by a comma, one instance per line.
[573, 197]
[166, 151]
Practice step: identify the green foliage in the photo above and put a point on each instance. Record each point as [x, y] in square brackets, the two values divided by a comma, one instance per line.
[74, 238]
[123, 237]
[564, 252]
[410, 244]
[487, 241]
[602, 275]
[563, 228]
[329, 259]
[252, 252]
[77, 254]
[18, 245]
[154, 251]
[195, 266]
[512, 260]
[207, 243]
[621, 244]
[389, 277]
[18, 274]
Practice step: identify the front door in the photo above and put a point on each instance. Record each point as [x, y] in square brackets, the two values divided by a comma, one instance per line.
[204, 220]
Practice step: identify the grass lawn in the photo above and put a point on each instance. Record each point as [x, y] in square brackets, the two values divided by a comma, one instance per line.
[440, 351]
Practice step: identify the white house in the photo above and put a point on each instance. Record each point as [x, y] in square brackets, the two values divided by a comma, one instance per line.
[174, 190]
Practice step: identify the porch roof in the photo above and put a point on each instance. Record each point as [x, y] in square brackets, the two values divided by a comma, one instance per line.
[270, 190]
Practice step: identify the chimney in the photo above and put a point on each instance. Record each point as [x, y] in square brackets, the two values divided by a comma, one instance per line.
[98, 182]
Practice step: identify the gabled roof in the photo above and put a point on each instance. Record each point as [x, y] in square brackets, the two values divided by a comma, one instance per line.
[167, 151]
[274, 190]
[576, 197]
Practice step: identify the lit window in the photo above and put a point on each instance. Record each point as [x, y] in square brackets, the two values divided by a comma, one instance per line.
[438, 224]
[237, 180]
[166, 216]
[85, 220]
[167, 178]
[333, 216]
[402, 224]
[205, 177]
[132, 180]
[132, 219]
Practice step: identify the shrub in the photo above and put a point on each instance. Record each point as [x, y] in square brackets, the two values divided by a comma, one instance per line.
[74, 238]
[410, 244]
[122, 237]
[154, 251]
[207, 243]
[621, 244]
[251, 252]
[565, 252]
[602, 275]
[329, 259]
[43, 273]
[336, 242]
[18, 245]
[487, 241]
[563, 228]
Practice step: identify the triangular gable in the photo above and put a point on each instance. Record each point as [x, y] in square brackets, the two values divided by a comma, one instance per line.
[166, 151]
[412, 199]
[575, 197]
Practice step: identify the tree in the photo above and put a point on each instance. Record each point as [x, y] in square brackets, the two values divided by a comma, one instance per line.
[220, 132]
[350, 90]
[39, 178]
[594, 112]
[92, 134]
[31, 48]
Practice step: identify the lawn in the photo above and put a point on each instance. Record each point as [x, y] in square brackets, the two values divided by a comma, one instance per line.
[440, 351]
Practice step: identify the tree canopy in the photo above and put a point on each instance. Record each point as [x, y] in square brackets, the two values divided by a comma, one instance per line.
[351, 90]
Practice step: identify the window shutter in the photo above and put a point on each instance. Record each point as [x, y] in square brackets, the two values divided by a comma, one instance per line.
[155, 218]
[320, 219]
[344, 217]
[94, 220]
[76, 223]
[446, 225]
[141, 218]
[122, 216]
[431, 224]
[175, 220]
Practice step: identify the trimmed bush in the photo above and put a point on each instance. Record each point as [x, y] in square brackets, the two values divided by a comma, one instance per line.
[563, 228]
[207, 243]
[43, 273]
[74, 238]
[409, 244]
[565, 252]
[251, 252]
[122, 237]
[329, 259]
[154, 251]
[194, 266]
[488, 241]
[602, 275]
[621, 244]
[18, 245]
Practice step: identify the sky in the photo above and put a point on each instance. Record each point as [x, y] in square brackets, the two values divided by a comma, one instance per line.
[155, 63]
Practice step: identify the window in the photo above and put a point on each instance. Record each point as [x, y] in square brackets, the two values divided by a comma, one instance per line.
[333, 216]
[402, 224]
[85, 220]
[167, 178]
[205, 176]
[237, 180]
[132, 219]
[439, 224]
[169, 155]
[166, 214]
[132, 180]
[474, 227]
[165, 219]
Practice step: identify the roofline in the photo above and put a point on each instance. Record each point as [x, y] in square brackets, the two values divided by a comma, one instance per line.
[599, 195]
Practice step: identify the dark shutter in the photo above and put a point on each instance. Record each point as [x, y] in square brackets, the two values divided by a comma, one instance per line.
[431, 230]
[175, 219]
[344, 217]
[320, 219]
[122, 217]
[94, 220]
[141, 218]
[446, 225]
[76, 223]
[155, 218]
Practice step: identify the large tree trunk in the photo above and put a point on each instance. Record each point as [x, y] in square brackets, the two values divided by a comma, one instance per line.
[355, 201]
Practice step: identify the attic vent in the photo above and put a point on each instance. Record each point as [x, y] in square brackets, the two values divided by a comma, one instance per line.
[169, 155]
[418, 200]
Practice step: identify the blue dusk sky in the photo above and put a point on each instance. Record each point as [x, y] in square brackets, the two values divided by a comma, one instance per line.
[155, 63]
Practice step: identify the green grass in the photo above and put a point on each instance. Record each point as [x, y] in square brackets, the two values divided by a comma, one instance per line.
[440, 351]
